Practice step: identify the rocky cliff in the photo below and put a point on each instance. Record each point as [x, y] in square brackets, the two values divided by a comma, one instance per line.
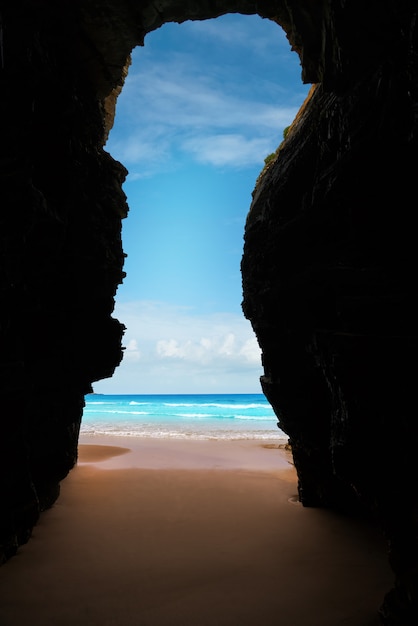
[328, 268]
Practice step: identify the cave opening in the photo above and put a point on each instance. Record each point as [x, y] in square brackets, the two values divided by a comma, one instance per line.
[63, 257]
[204, 103]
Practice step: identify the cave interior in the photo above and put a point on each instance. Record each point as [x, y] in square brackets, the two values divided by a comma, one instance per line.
[328, 269]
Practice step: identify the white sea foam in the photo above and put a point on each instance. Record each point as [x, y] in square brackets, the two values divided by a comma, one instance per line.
[118, 412]
[219, 405]
[193, 415]
[238, 416]
[167, 434]
[256, 417]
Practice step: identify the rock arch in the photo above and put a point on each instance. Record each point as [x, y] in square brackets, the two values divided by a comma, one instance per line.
[329, 263]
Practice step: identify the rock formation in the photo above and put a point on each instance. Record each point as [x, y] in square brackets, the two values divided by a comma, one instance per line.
[328, 268]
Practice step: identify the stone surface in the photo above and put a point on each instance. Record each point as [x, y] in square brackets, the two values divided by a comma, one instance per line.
[329, 265]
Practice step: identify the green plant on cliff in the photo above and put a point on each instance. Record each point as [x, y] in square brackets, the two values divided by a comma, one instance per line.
[270, 158]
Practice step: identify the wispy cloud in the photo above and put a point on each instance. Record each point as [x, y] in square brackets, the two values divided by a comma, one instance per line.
[228, 149]
[169, 347]
[179, 106]
[235, 34]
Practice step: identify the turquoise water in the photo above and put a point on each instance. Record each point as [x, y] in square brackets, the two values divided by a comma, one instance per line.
[224, 416]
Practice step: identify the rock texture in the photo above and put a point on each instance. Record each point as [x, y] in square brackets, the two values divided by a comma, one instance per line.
[329, 265]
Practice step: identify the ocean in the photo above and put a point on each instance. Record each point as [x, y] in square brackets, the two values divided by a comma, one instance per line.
[223, 416]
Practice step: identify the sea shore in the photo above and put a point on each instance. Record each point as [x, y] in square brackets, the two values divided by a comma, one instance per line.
[154, 532]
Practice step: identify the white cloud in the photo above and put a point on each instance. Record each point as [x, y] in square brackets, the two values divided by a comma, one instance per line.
[182, 97]
[179, 105]
[251, 351]
[169, 349]
[228, 345]
[262, 34]
[132, 352]
[221, 150]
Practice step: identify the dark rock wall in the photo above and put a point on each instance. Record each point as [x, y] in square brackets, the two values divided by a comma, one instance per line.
[329, 275]
[61, 258]
[328, 269]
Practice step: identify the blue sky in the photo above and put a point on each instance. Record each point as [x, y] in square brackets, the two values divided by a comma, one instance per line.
[203, 104]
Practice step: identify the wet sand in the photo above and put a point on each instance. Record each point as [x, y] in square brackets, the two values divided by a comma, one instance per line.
[197, 533]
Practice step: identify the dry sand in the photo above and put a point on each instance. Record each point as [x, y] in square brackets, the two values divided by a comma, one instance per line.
[172, 533]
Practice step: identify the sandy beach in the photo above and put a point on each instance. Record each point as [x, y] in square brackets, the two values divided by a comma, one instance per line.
[151, 532]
